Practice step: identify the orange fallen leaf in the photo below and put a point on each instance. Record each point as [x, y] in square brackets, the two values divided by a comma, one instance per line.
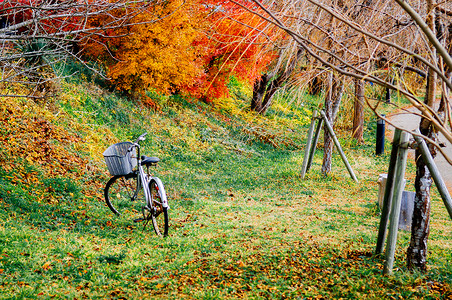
[47, 266]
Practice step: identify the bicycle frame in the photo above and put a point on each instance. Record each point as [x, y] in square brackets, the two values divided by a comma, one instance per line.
[146, 178]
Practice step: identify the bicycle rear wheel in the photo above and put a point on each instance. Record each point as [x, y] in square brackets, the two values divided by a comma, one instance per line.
[121, 198]
[159, 214]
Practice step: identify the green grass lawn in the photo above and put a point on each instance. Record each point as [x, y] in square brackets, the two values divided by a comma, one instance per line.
[242, 223]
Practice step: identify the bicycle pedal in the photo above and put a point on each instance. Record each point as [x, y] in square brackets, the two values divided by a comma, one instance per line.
[138, 220]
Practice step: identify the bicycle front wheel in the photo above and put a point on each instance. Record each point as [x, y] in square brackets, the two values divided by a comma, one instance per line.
[121, 197]
[159, 213]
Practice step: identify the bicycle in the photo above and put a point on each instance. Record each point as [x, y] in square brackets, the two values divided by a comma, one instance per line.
[125, 191]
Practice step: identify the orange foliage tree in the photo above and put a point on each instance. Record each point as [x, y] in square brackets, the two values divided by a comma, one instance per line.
[234, 43]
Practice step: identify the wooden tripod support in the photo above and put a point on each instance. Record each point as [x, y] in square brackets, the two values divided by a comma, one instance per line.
[393, 192]
[312, 140]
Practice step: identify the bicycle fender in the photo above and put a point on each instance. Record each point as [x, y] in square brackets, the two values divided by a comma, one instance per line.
[163, 192]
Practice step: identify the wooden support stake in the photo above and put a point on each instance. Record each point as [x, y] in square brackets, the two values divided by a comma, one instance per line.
[387, 196]
[440, 185]
[338, 146]
[307, 150]
[396, 202]
[314, 144]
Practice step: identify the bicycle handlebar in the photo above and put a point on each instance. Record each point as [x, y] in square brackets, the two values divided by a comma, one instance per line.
[136, 145]
[141, 138]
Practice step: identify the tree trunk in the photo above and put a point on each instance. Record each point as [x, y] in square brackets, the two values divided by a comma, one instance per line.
[263, 92]
[420, 226]
[327, 140]
[358, 111]
[258, 92]
[333, 97]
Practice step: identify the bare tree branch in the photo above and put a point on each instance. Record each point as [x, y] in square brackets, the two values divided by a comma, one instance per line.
[340, 41]
[35, 36]
[426, 30]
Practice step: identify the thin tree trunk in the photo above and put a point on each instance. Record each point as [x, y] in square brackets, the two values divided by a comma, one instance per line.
[358, 111]
[338, 89]
[420, 226]
[333, 97]
[327, 140]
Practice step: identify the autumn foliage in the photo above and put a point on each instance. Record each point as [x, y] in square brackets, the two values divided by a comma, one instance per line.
[156, 53]
[188, 47]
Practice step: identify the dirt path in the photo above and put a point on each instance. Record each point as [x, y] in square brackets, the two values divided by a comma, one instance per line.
[411, 122]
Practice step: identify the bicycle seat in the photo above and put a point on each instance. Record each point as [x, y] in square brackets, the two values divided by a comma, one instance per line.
[148, 161]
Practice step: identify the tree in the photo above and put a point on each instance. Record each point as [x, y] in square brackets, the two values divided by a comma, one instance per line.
[333, 98]
[212, 45]
[417, 251]
[157, 51]
[236, 43]
[358, 111]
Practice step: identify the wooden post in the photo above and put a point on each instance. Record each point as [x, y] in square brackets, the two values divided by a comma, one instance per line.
[440, 185]
[399, 175]
[314, 144]
[387, 198]
[307, 150]
[338, 146]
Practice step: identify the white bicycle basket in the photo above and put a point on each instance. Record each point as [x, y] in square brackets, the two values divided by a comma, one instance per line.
[119, 160]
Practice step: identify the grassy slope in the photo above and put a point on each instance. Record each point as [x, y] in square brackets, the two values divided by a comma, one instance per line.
[242, 222]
